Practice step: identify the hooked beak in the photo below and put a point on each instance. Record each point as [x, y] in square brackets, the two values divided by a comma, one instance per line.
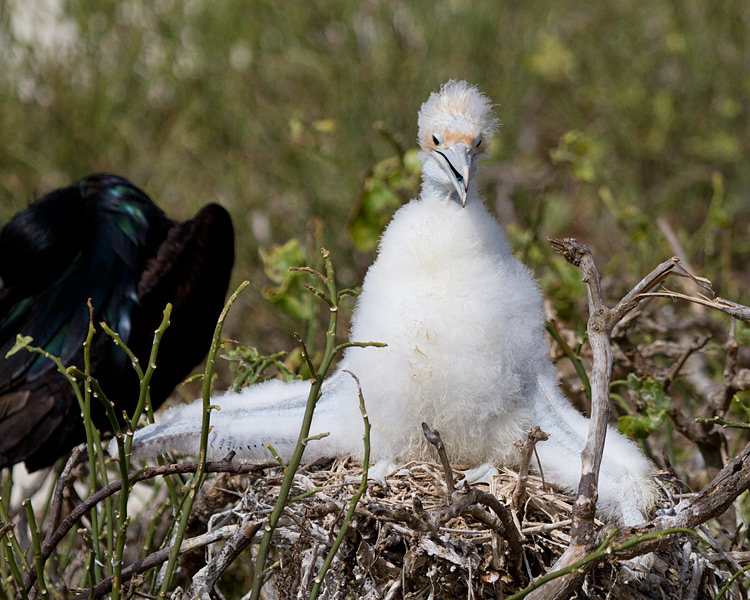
[456, 162]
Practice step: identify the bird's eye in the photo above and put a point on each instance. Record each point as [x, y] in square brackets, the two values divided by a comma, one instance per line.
[478, 141]
[436, 139]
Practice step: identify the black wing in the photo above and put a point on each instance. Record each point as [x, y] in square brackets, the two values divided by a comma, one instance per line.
[191, 269]
[99, 238]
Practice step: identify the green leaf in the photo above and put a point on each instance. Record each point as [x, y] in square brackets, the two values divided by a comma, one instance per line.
[582, 153]
[22, 342]
[391, 182]
[654, 406]
[287, 290]
[637, 427]
[552, 60]
[249, 365]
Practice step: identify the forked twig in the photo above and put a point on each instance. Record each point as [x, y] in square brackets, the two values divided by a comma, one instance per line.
[526, 448]
[434, 438]
[601, 322]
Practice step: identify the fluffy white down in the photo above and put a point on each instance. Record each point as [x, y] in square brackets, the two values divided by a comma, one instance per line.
[463, 323]
[466, 353]
[458, 106]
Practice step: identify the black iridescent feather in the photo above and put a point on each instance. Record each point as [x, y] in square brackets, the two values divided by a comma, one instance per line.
[101, 238]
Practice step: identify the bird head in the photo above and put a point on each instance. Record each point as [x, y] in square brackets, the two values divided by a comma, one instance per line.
[455, 125]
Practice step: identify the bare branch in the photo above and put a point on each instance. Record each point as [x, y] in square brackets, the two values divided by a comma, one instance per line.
[526, 448]
[738, 311]
[161, 556]
[714, 499]
[78, 455]
[205, 579]
[434, 438]
[81, 509]
[697, 344]
[599, 327]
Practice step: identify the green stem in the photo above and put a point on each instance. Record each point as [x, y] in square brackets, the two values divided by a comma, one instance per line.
[574, 358]
[37, 546]
[13, 549]
[252, 373]
[123, 447]
[603, 550]
[312, 399]
[200, 473]
[96, 560]
[23, 343]
[731, 580]
[722, 423]
[143, 395]
[354, 501]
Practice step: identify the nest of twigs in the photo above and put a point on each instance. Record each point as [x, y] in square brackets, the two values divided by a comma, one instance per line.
[416, 539]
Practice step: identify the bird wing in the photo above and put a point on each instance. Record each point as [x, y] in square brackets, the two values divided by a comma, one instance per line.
[84, 241]
[191, 270]
[90, 240]
[267, 413]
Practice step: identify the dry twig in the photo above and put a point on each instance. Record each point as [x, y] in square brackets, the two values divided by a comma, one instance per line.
[712, 501]
[434, 438]
[526, 448]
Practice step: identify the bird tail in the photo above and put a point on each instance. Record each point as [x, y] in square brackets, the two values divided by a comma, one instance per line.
[626, 488]
[270, 413]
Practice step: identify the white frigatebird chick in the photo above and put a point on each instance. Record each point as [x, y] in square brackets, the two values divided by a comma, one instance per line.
[466, 353]
[103, 239]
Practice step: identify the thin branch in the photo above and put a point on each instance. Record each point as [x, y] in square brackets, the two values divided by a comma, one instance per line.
[205, 579]
[310, 270]
[161, 556]
[599, 329]
[78, 455]
[355, 499]
[290, 470]
[651, 281]
[199, 476]
[511, 533]
[149, 473]
[714, 499]
[606, 548]
[434, 438]
[738, 311]
[719, 402]
[697, 344]
[400, 515]
[600, 324]
[526, 449]
[711, 501]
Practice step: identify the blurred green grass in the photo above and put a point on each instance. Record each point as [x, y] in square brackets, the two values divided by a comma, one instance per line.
[614, 114]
